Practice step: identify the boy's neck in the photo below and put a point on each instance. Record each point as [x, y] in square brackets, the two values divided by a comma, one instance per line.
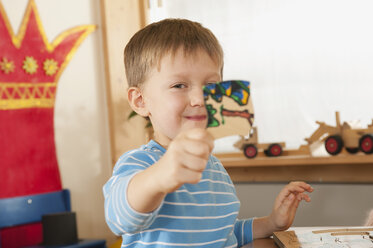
[159, 142]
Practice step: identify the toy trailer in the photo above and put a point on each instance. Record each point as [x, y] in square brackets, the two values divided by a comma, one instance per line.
[251, 147]
[339, 136]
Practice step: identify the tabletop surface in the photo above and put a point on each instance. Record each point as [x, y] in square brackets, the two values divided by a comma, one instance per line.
[357, 236]
[261, 243]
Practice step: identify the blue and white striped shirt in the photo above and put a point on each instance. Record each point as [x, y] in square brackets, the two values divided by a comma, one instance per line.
[197, 215]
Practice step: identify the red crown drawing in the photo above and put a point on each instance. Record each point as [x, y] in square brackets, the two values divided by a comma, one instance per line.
[30, 66]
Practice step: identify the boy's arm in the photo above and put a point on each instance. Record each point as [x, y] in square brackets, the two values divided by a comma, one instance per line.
[135, 191]
[284, 210]
[184, 162]
[243, 229]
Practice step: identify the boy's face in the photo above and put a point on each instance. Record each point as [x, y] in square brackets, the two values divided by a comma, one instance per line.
[173, 96]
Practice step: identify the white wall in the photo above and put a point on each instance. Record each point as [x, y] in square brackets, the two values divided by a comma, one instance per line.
[81, 122]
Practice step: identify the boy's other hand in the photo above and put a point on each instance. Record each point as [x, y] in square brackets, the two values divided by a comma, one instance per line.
[185, 159]
[286, 204]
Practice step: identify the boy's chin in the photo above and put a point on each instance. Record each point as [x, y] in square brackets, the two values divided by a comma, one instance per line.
[200, 124]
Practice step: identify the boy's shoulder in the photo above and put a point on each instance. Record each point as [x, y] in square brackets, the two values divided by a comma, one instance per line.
[150, 147]
[141, 157]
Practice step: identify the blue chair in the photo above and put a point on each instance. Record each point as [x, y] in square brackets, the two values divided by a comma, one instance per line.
[29, 209]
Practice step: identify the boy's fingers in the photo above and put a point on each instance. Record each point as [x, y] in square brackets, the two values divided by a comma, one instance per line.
[287, 210]
[197, 148]
[183, 176]
[193, 162]
[304, 197]
[285, 192]
[294, 188]
[288, 201]
[300, 186]
[201, 135]
[189, 176]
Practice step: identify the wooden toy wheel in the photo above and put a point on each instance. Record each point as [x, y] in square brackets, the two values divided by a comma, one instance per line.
[274, 150]
[334, 144]
[250, 151]
[366, 143]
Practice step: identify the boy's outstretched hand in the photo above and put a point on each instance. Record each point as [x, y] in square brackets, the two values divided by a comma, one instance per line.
[284, 209]
[185, 159]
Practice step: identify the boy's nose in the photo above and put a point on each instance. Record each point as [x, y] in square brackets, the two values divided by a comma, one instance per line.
[196, 98]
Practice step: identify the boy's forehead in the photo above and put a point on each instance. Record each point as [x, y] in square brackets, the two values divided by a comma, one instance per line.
[182, 53]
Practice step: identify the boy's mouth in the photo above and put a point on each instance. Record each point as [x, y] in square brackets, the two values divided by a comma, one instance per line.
[196, 117]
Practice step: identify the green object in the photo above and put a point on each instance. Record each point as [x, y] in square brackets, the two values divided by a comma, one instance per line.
[212, 121]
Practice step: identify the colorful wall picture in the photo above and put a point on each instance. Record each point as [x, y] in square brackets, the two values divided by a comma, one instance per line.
[229, 107]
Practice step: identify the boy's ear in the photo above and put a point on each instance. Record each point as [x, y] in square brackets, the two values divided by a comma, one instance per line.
[136, 101]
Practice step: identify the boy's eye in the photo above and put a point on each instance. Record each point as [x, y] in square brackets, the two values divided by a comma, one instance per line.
[179, 86]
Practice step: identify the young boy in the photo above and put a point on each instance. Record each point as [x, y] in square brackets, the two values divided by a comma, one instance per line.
[172, 192]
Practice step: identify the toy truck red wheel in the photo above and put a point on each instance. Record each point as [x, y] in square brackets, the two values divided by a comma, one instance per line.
[273, 150]
[250, 151]
[334, 144]
[366, 143]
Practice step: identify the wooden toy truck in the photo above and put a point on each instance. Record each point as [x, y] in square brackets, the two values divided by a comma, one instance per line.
[251, 147]
[339, 136]
[334, 138]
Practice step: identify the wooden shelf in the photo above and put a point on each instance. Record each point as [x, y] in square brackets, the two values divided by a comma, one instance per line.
[343, 168]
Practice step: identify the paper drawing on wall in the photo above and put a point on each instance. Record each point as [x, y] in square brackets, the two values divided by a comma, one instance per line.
[30, 67]
[229, 108]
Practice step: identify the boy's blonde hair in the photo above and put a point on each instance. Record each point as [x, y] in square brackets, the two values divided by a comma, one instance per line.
[147, 47]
